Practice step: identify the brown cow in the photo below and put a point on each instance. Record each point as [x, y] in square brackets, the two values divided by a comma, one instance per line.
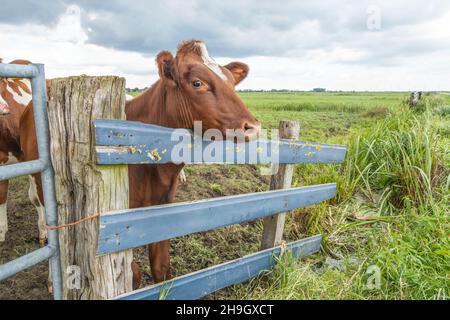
[192, 87]
[15, 94]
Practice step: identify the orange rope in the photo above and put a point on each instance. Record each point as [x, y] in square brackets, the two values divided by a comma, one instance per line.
[67, 225]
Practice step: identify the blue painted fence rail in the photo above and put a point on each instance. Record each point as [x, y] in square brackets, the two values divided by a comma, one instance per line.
[198, 284]
[127, 142]
[125, 229]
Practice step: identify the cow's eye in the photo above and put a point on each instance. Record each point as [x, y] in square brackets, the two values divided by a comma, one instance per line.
[197, 84]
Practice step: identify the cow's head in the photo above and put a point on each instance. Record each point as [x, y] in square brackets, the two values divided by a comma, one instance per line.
[201, 90]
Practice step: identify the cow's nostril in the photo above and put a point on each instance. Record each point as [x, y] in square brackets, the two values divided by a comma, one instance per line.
[251, 126]
[251, 130]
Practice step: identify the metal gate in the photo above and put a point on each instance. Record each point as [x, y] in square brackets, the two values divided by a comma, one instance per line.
[43, 165]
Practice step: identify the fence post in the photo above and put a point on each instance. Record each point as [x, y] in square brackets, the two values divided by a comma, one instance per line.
[84, 189]
[274, 225]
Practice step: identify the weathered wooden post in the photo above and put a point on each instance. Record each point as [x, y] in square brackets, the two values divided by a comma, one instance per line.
[85, 190]
[274, 225]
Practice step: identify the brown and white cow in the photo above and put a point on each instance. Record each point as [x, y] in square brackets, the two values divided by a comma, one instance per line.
[192, 87]
[15, 95]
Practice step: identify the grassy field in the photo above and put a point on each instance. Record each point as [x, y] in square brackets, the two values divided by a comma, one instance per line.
[378, 218]
[390, 212]
[392, 207]
[322, 115]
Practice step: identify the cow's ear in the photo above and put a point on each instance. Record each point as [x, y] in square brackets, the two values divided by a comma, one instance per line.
[164, 61]
[239, 71]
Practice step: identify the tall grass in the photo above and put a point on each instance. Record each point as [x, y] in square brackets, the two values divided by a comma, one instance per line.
[391, 211]
[394, 163]
[410, 251]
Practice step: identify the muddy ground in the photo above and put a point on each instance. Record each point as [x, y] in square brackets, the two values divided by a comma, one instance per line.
[189, 253]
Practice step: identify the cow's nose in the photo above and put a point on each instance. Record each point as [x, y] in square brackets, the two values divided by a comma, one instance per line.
[251, 130]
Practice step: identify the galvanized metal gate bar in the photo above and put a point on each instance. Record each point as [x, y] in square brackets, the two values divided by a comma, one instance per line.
[198, 284]
[37, 75]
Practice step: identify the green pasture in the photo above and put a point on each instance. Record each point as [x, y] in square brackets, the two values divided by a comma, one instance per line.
[385, 234]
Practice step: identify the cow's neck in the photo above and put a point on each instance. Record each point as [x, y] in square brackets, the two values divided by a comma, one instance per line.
[161, 105]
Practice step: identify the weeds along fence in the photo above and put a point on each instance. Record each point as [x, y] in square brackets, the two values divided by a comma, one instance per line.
[91, 146]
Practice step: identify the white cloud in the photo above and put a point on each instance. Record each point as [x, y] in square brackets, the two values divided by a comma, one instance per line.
[294, 47]
[64, 51]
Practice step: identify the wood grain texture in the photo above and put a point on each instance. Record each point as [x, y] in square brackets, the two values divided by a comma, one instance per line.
[274, 225]
[82, 187]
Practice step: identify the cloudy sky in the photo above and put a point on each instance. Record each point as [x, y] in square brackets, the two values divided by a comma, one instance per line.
[337, 44]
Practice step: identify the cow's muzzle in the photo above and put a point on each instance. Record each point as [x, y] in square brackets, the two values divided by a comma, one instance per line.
[248, 131]
[252, 131]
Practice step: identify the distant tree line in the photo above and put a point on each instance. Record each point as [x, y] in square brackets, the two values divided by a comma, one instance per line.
[139, 90]
[284, 90]
[135, 90]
